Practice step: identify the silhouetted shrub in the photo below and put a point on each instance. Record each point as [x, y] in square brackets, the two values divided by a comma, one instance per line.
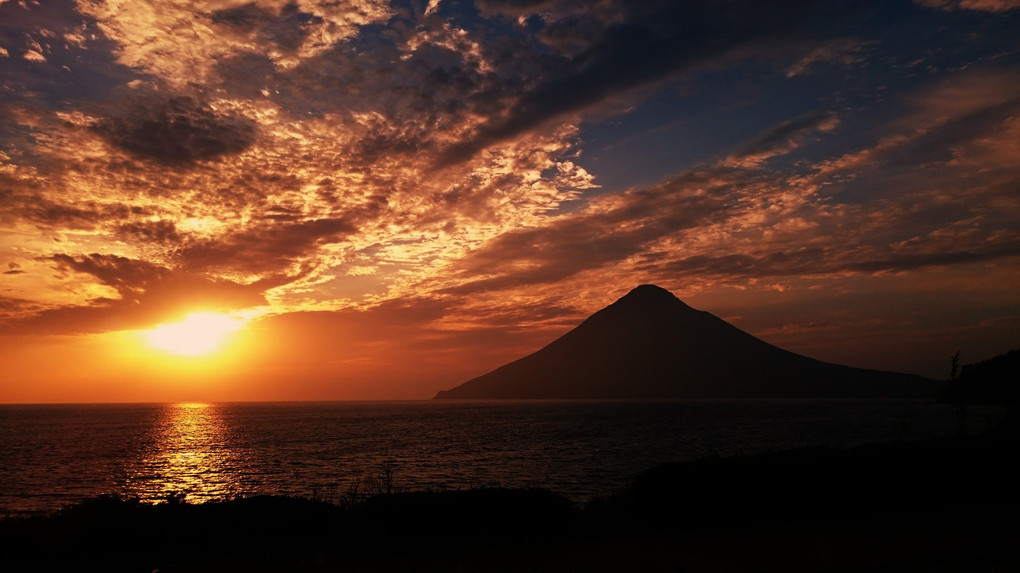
[993, 382]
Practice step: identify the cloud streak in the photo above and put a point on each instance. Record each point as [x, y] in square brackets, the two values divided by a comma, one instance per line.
[782, 139]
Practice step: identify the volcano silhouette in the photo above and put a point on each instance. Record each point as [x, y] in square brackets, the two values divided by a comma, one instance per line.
[650, 345]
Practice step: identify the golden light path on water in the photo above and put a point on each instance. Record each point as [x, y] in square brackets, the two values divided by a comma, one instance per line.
[190, 457]
[53, 455]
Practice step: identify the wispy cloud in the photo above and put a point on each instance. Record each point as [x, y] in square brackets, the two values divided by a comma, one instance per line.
[782, 139]
[843, 51]
[986, 5]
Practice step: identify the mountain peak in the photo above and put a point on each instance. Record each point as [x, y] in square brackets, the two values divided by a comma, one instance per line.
[650, 290]
[649, 344]
[649, 297]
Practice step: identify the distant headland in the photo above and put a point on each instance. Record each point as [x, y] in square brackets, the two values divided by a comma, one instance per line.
[650, 345]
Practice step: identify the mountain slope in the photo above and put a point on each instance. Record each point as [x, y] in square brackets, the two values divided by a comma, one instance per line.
[649, 344]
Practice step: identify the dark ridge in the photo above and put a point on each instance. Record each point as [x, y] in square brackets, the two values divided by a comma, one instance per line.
[650, 345]
[995, 381]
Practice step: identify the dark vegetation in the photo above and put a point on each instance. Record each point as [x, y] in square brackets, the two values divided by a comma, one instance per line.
[993, 382]
[940, 505]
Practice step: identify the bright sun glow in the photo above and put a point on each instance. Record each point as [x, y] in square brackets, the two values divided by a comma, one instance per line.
[198, 334]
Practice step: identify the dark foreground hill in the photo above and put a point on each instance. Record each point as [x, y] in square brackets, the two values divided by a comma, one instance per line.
[650, 345]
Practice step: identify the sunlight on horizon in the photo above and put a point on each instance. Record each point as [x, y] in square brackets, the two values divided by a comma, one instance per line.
[198, 334]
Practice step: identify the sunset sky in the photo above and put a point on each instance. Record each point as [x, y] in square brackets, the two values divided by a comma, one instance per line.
[372, 199]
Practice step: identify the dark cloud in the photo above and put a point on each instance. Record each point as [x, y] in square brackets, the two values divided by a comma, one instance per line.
[56, 57]
[29, 205]
[392, 103]
[265, 248]
[568, 26]
[383, 139]
[160, 232]
[912, 261]
[939, 142]
[286, 29]
[946, 145]
[653, 40]
[8, 304]
[573, 34]
[986, 5]
[739, 264]
[178, 131]
[817, 261]
[137, 280]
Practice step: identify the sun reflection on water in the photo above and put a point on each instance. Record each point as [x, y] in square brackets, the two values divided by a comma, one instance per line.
[190, 457]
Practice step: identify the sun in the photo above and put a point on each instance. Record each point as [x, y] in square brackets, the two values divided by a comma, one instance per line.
[198, 334]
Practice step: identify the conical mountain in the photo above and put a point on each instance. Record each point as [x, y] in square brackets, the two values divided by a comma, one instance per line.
[650, 345]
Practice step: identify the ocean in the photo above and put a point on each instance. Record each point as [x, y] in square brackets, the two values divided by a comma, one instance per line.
[53, 455]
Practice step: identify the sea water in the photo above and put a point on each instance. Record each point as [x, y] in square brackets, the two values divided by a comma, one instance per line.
[53, 455]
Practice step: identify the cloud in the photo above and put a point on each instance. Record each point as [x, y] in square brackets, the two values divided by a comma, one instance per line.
[44, 212]
[286, 152]
[946, 169]
[294, 142]
[782, 139]
[146, 294]
[843, 51]
[188, 42]
[272, 247]
[941, 130]
[136, 280]
[515, 8]
[286, 30]
[55, 57]
[984, 5]
[567, 26]
[160, 232]
[609, 231]
[650, 42]
[179, 131]
[832, 260]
